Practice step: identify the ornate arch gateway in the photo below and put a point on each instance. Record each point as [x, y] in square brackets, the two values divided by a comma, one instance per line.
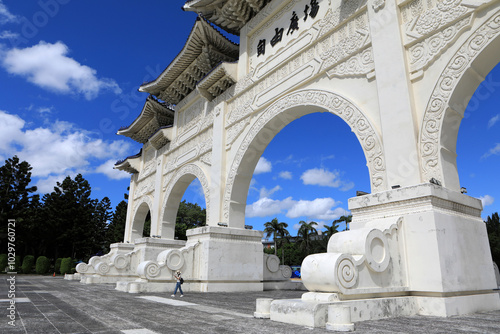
[399, 73]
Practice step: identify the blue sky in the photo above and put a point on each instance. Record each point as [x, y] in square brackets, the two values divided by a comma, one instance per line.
[69, 74]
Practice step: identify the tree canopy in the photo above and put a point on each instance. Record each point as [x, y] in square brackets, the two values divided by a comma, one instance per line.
[189, 215]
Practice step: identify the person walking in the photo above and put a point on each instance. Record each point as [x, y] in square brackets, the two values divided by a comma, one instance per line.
[179, 280]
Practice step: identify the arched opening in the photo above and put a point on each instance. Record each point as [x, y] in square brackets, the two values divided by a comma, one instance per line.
[273, 120]
[306, 175]
[192, 211]
[478, 144]
[189, 184]
[470, 98]
[462, 76]
[139, 223]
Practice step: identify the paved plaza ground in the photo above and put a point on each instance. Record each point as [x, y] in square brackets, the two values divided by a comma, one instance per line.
[48, 304]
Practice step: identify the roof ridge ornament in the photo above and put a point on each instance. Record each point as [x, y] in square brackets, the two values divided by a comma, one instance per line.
[230, 15]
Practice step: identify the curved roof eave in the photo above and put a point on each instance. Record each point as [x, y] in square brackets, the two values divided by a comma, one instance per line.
[191, 45]
[125, 131]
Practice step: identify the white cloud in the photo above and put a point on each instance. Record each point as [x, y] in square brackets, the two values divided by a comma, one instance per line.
[285, 175]
[486, 200]
[7, 34]
[325, 178]
[493, 120]
[493, 151]
[347, 186]
[43, 110]
[264, 192]
[10, 129]
[108, 170]
[5, 15]
[268, 207]
[263, 166]
[45, 186]
[47, 66]
[320, 208]
[328, 157]
[56, 150]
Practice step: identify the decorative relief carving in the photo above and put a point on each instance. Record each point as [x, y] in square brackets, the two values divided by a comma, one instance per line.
[149, 164]
[351, 36]
[424, 52]
[244, 83]
[348, 38]
[199, 174]
[359, 64]
[208, 119]
[422, 18]
[432, 124]
[144, 187]
[195, 146]
[335, 104]
[166, 179]
[190, 116]
[344, 48]
[239, 112]
[378, 5]
[207, 158]
[334, 18]
[234, 131]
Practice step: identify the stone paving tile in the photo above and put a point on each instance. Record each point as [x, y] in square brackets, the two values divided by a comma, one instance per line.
[63, 307]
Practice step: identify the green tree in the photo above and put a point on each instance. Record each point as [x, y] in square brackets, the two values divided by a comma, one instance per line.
[189, 215]
[42, 265]
[346, 219]
[493, 229]
[278, 231]
[66, 265]
[116, 228]
[57, 265]
[321, 244]
[28, 262]
[15, 199]
[96, 237]
[306, 233]
[292, 254]
[72, 219]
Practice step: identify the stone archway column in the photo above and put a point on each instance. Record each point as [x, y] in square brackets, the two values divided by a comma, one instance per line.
[218, 168]
[395, 101]
[157, 200]
[130, 210]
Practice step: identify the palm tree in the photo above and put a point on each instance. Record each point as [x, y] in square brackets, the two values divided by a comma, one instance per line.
[346, 219]
[277, 229]
[331, 230]
[322, 245]
[305, 232]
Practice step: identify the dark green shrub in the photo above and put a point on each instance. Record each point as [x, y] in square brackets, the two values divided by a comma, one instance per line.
[18, 263]
[3, 262]
[42, 265]
[66, 265]
[57, 266]
[28, 262]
